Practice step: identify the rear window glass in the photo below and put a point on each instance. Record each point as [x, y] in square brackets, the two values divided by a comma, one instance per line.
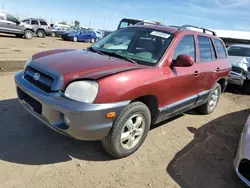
[43, 23]
[205, 49]
[239, 51]
[34, 22]
[220, 49]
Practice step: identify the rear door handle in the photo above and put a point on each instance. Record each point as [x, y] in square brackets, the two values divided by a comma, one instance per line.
[196, 73]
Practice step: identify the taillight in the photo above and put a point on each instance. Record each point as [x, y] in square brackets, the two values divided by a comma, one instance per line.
[49, 27]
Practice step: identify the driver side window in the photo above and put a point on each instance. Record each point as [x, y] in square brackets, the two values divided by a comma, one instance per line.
[185, 47]
[11, 19]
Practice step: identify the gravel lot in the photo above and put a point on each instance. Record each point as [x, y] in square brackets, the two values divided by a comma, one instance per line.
[190, 150]
[15, 51]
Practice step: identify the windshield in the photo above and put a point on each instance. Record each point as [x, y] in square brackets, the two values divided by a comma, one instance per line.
[144, 46]
[239, 51]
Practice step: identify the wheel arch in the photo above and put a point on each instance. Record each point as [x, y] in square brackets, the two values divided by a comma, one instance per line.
[223, 83]
[151, 101]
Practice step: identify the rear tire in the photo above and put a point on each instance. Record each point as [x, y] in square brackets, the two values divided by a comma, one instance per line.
[212, 101]
[53, 34]
[92, 40]
[75, 39]
[129, 130]
[28, 34]
[40, 33]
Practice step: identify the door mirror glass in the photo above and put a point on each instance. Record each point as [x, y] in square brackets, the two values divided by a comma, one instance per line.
[183, 61]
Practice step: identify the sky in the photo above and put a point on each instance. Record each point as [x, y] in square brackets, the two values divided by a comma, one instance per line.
[106, 14]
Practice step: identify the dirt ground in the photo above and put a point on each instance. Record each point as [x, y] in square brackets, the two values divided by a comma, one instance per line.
[191, 150]
[15, 51]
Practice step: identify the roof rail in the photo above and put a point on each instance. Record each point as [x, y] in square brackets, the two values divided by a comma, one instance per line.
[196, 27]
[145, 22]
[174, 26]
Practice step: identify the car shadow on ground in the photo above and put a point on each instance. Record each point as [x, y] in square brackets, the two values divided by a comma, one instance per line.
[25, 140]
[207, 161]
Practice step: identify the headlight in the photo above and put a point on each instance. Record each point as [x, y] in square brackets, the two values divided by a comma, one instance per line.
[243, 64]
[28, 62]
[82, 91]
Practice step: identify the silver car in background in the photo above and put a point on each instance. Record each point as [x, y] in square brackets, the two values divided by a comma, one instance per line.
[11, 25]
[239, 56]
[242, 157]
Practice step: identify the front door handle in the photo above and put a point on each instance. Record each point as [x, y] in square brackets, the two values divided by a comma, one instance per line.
[217, 70]
[196, 73]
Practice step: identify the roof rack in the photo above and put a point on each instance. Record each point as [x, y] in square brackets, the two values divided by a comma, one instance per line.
[174, 26]
[196, 27]
[145, 22]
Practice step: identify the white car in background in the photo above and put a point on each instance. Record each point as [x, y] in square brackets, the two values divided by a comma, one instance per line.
[242, 157]
[239, 56]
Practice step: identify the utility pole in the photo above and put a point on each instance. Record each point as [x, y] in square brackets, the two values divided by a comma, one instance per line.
[89, 23]
[2, 6]
[103, 23]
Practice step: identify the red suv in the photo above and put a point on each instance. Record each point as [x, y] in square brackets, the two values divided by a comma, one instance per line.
[117, 88]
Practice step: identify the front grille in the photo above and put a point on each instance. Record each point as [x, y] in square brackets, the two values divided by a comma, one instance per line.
[37, 107]
[244, 169]
[44, 83]
[237, 69]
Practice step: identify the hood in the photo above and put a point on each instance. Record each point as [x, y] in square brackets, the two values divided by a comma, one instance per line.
[76, 64]
[236, 60]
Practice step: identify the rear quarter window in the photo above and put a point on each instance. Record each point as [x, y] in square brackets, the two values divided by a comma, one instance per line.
[220, 49]
[43, 23]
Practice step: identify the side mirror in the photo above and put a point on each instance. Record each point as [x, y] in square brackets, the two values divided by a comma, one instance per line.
[183, 61]
[18, 22]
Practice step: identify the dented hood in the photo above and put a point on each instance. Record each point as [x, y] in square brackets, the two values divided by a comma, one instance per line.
[76, 64]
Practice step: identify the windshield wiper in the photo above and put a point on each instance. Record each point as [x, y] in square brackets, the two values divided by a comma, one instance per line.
[118, 55]
[94, 50]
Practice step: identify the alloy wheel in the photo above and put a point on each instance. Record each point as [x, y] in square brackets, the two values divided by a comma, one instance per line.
[132, 131]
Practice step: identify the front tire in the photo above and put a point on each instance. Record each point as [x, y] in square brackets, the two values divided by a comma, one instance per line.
[129, 130]
[53, 34]
[212, 101]
[28, 34]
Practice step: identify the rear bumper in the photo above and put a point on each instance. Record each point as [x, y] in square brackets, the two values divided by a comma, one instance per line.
[243, 151]
[236, 78]
[76, 119]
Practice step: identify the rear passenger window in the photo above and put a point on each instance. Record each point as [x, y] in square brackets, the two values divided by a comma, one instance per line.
[205, 49]
[43, 23]
[34, 22]
[220, 49]
[185, 47]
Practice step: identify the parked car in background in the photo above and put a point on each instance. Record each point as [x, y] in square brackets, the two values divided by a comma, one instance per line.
[11, 25]
[58, 32]
[99, 34]
[239, 56]
[115, 94]
[242, 157]
[41, 27]
[125, 22]
[81, 36]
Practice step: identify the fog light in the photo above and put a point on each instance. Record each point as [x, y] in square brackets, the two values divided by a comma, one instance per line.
[66, 120]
